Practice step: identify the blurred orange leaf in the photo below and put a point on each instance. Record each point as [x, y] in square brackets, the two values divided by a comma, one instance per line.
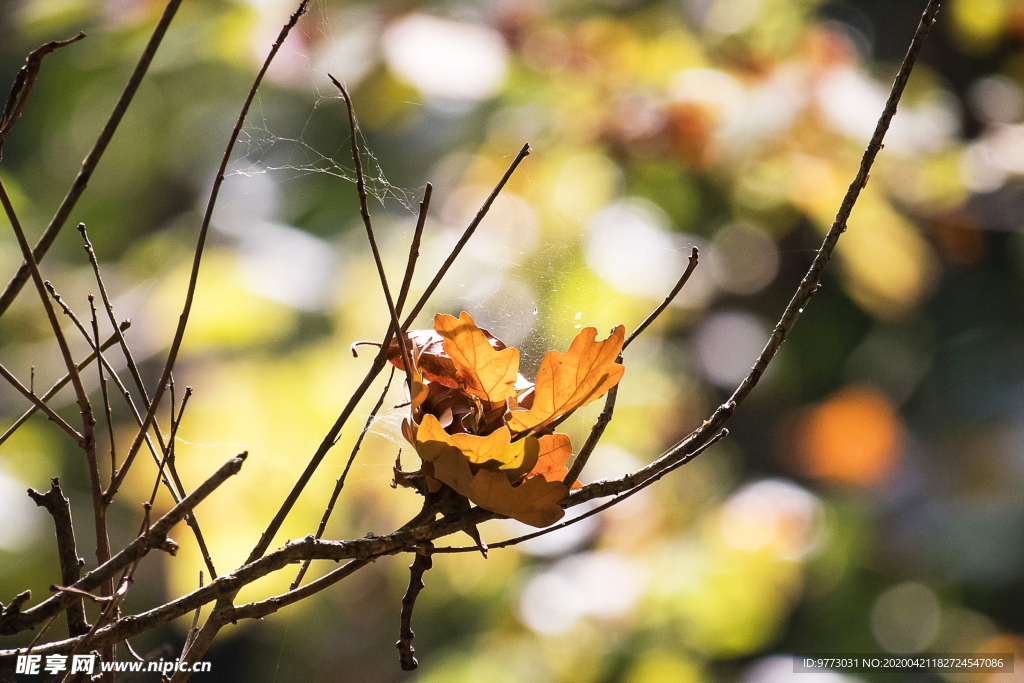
[853, 437]
[572, 379]
[485, 372]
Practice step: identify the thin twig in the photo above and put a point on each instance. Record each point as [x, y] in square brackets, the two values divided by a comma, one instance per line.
[60, 384]
[17, 282]
[690, 266]
[596, 432]
[40, 405]
[179, 332]
[457, 249]
[103, 388]
[600, 508]
[194, 628]
[340, 484]
[414, 248]
[169, 451]
[364, 211]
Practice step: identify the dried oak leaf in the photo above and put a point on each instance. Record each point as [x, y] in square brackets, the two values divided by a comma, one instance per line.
[569, 380]
[494, 451]
[452, 459]
[484, 371]
[427, 350]
[555, 451]
[534, 502]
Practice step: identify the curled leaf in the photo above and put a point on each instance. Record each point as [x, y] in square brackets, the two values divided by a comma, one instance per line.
[569, 380]
[484, 371]
[427, 350]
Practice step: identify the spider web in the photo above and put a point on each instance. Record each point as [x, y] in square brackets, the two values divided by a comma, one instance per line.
[530, 287]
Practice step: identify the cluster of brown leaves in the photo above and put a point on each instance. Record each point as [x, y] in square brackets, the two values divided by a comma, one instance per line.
[483, 430]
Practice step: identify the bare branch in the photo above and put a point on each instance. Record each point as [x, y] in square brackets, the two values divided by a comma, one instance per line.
[16, 283]
[179, 332]
[60, 384]
[344, 475]
[809, 285]
[422, 561]
[59, 508]
[694, 254]
[40, 405]
[155, 536]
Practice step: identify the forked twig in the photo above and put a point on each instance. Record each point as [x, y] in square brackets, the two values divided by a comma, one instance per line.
[59, 384]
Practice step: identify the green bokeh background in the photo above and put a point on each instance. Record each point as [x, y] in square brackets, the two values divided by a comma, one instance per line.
[869, 498]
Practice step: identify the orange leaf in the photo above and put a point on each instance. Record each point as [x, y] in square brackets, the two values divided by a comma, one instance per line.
[494, 450]
[485, 372]
[555, 451]
[572, 379]
[534, 502]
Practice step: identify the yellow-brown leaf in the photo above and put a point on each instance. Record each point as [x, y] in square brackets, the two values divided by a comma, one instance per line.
[492, 451]
[534, 502]
[484, 371]
[572, 379]
[555, 451]
[427, 350]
